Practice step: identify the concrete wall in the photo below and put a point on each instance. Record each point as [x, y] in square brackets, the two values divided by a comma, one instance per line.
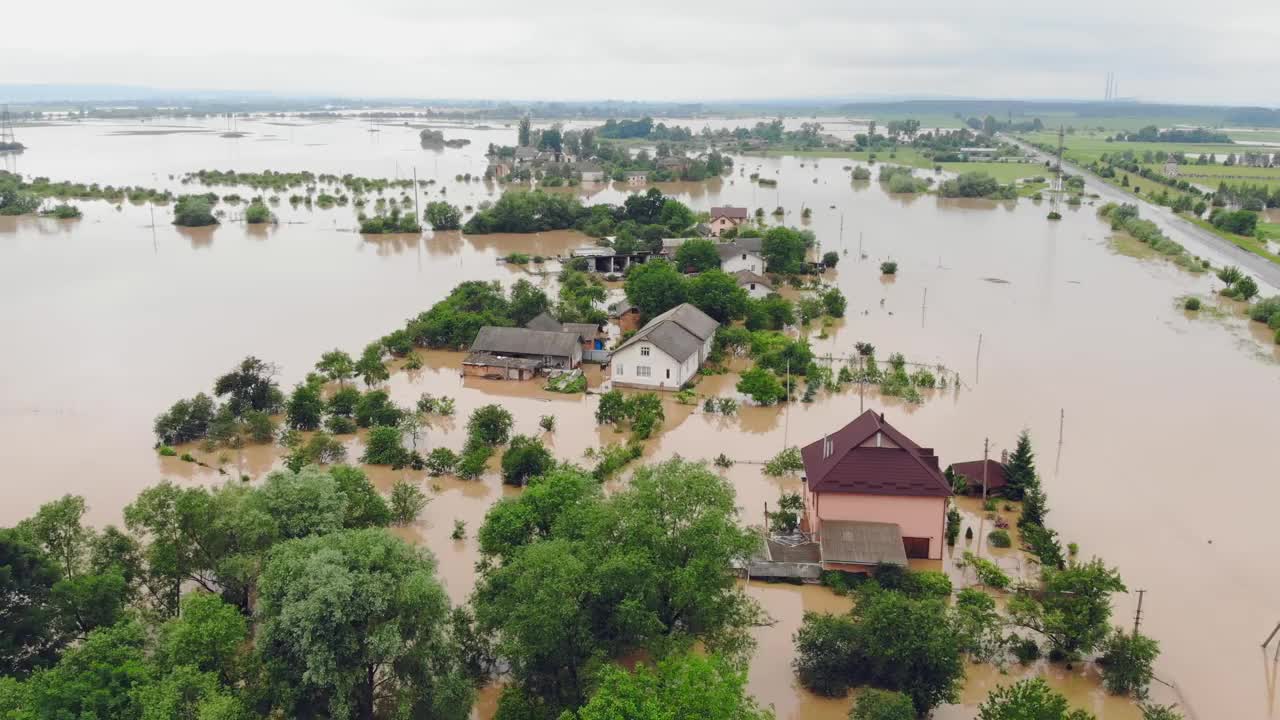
[665, 373]
[922, 517]
[734, 263]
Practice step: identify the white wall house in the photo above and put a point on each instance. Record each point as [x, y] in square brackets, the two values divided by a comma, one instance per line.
[667, 352]
[756, 285]
[743, 254]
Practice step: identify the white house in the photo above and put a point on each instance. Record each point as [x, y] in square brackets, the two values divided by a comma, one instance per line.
[741, 254]
[667, 352]
[590, 172]
[756, 285]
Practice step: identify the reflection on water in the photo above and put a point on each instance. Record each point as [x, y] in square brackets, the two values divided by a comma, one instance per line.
[108, 321]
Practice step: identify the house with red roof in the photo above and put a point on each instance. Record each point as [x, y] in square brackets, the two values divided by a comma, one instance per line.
[977, 472]
[873, 495]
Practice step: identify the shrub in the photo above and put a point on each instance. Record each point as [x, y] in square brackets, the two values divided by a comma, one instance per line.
[526, 458]
[441, 461]
[1026, 650]
[614, 457]
[490, 425]
[1127, 663]
[257, 213]
[953, 525]
[830, 258]
[459, 530]
[999, 538]
[876, 704]
[194, 211]
[443, 216]
[384, 448]
[166, 451]
[761, 385]
[1054, 214]
[861, 173]
[340, 425]
[474, 461]
[988, 572]
[788, 460]
[407, 502]
[889, 267]
[63, 212]
[375, 408]
[547, 423]
[1192, 304]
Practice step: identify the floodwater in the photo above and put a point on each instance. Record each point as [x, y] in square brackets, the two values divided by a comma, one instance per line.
[1163, 417]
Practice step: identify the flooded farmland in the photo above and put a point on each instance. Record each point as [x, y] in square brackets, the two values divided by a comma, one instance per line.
[1163, 417]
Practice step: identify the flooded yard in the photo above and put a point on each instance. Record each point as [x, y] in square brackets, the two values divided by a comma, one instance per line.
[1151, 426]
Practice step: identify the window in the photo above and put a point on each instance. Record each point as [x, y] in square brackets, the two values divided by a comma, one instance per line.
[668, 373]
[642, 371]
[617, 370]
[744, 256]
[644, 351]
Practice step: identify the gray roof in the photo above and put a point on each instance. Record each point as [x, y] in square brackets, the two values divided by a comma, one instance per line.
[678, 332]
[620, 308]
[746, 277]
[544, 321]
[522, 341]
[862, 543]
[526, 152]
[739, 246]
[487, 360]
[586, 331]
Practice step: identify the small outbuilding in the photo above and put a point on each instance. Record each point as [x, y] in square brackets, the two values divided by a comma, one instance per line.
[496, 350]
[975, 472]
[756, 285]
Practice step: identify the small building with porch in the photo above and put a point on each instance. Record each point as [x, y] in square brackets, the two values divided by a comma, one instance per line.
[520, 353]
[872, 495]
[976, 472]
[607, 261]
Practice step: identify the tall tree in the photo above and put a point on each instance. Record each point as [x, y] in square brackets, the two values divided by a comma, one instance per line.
[655, 287]
[30, 639]
[684, 686]
[354, 621]
[1031, 699]
[1021, 469]
[522, 135]
[1073, 610]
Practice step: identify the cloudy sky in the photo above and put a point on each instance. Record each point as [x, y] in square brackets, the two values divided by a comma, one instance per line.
[1225, 51]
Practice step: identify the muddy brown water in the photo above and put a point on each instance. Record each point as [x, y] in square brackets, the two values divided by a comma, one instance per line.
[1163, 468]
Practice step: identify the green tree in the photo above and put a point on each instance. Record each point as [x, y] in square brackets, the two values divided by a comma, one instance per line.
[527, 457]
[697, 255]
[443, 216]
[364, 507]
[30, 639]
[250, 386]
[875, 704]
[1074, 608]
[762, 386]
[1031, 699]
[375, 408]
[305, 408]
[193, 211]
[1127, 661]
[370, 366]
[336, 365]
[490, 425]
[407, 502]
[717, 294]
[354, 621]
[208, 635]
[523, 133]
[1021, 469]
[684, 686]
[384, 447]
[784, 249]
[612, 409]
[527, 302]
[95, 679]
[559, 501]
[654, 287]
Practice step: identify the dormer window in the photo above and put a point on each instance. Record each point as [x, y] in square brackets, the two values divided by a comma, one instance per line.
[644, 351]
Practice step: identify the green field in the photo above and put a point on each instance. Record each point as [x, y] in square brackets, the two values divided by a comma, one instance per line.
[1210, 175]
[1088, 147]
[1271, 136]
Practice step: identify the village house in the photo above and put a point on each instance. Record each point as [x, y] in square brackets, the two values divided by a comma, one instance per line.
[723, 218]
[626, 315]
[520, 353]
[525, 154]
[607, 261]
[498, 168]
[676, 165]
[667, 352]
[590, 333]
[975, 472]
[590, 172]
[636, 177]
[757, 286]
[872, 495]
[741, 254]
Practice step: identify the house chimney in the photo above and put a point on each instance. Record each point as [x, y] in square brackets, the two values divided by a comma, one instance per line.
[1004, 457]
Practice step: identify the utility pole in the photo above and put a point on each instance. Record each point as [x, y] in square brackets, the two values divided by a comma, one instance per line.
[1062, 419]
[1137, 617]
[986, 449]
[416, 193]
[786, 418]
[977, 369]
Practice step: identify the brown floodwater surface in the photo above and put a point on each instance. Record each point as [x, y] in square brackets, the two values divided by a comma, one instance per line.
[1162, 467]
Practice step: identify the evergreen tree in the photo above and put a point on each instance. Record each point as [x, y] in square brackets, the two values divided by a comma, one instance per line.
[1021, 470]
[1035, 505]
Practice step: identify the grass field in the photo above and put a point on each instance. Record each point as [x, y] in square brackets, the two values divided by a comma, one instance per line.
[1210, 175]
[1087, 147]
[1268, 136]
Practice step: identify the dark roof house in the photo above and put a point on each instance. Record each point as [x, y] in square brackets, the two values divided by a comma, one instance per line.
[730, 212]
[871, 457]
[679, 332]
[523, 342]
[997, 477]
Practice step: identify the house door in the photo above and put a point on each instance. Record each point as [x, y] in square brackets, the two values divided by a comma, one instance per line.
[916, 547]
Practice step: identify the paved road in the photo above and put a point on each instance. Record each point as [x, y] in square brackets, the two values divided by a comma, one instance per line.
[1196, 239]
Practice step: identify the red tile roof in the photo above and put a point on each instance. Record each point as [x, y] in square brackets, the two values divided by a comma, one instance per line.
[972, 471]
[850, 467]
[728, 211]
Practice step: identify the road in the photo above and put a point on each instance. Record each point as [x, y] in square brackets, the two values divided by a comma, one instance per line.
[1197, 240]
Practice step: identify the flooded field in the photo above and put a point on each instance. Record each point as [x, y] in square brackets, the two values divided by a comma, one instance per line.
[1164, 418]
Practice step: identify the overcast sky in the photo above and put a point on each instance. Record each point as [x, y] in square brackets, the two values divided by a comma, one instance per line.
[1226, 51]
